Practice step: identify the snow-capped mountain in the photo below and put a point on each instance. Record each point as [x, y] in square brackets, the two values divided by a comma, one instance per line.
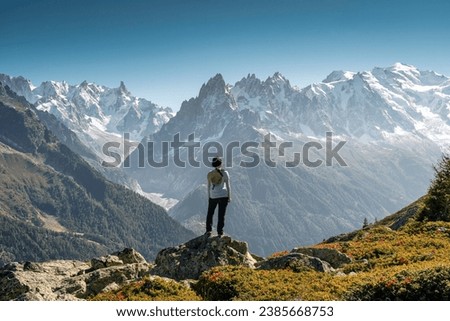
[369, 106]
[97, 114]
[206, 115]
[395, 121]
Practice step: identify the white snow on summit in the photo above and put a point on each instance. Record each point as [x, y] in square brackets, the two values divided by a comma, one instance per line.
[369, 106]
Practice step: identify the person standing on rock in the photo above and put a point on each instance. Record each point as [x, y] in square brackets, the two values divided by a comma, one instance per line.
[219, 193]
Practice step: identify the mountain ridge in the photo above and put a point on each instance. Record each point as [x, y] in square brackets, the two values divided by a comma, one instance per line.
[310, 110]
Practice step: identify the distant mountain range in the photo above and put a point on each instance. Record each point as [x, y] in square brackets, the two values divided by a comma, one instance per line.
[54, 205]
[97, 114]
[368, 106]
[395, 122]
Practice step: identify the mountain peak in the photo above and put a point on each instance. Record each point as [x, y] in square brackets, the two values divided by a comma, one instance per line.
[277, 78]
[406, 71]
[398, 66]
[278, 75]
[216, 80]
[123, 88]
[249, 81]
[410, 74]
[215, 85]
[52, 88]
[20, 85]
[339, 75]
[277, 81]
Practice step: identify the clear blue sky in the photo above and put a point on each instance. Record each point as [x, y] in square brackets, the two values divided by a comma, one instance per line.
[164, 50]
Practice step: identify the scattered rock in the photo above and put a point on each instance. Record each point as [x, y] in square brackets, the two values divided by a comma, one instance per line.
[105, 261]
[100, 280]
[296, 262]
[332, 256]
[38, 281]
[189, 260]
[127, 256]
[68, 279]
[130, 256]
[30, 266]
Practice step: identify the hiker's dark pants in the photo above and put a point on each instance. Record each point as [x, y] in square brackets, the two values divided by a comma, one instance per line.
[213, 202]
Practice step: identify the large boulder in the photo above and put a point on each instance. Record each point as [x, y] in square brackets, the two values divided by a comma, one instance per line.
[332, 256]
[127, 256]
[189, 260]
[296, 262]
[68, 279]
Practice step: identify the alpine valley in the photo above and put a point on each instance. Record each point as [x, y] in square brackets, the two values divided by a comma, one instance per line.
[386, 128]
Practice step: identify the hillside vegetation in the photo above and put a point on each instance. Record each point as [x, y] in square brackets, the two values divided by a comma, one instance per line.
[402, 257]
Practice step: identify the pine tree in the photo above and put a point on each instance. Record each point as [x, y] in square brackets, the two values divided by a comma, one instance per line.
[365, 223]
[437, 204]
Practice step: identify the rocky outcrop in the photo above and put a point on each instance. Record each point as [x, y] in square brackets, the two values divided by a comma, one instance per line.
[296, 262]
[302, 258]
[335, 258]
[127, 256]
[189, 260]
[68, 279]
[78, 280]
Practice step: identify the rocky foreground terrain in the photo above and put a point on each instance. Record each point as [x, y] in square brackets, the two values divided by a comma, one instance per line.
[78, 280]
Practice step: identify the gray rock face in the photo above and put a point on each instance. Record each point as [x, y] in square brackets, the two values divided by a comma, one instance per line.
[189, 260]
[70, 280]
[130, 256]
[127, 256]
[296, 262]
[335, 258]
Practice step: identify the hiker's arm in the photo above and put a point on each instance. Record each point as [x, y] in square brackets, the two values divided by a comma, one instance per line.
[209, 189]
[228, 187]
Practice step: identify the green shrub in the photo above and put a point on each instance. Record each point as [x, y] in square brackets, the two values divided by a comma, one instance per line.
[426, 285]
[241, 283]
[150, 289]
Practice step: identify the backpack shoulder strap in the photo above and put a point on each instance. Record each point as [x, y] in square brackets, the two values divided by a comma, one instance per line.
[220, 172]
